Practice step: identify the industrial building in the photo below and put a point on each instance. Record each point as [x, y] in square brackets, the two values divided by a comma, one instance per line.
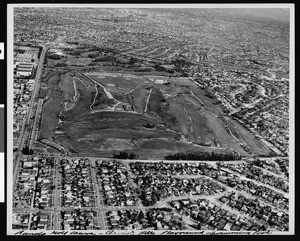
[23, 69]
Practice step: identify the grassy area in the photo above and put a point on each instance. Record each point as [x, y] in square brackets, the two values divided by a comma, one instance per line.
[51, 108]
[139, 96]
[39, 145]
[160, 148]
[50, 119]
[113, 129]
[249, 139]
[86, 90]
[67, 86]
[183, 120]
[200, 131]
[51, 150]
[158, 107]
[119, 82]
[179, 107]
[221, 134]
[102, 101]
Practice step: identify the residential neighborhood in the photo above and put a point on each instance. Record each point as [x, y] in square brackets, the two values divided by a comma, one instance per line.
[91, 194]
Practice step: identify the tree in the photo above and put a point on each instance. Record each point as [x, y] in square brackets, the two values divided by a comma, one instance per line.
[124, 155]
[141, 215]
[202, 156]
[27, 151]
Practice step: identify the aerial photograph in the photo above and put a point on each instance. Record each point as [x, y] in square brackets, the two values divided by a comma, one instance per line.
[150, 120]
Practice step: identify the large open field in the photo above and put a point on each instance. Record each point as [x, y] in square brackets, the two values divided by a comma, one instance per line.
[99, 112]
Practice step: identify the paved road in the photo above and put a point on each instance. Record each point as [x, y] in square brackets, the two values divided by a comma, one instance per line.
[24, 134]
[99, 201]
[36, 82]
[34, 130]
[56, 193]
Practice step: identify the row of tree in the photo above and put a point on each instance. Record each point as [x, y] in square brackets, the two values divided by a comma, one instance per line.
[51, 55]
[203, 156]
[106, 59]
[125, 155]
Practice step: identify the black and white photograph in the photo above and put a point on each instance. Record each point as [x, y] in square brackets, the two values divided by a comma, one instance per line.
[150, 119]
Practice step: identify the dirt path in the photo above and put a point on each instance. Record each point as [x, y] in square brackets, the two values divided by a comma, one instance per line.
[202, 103]
[160, 54]
[137, 50]
[146, 106]
[94, 101]
[197, 57]
[172, 55]
[190, 124]
[147, 54]
[108, 94]
[75, 97]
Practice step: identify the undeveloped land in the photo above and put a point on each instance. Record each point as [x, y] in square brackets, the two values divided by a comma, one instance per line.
[98, 113]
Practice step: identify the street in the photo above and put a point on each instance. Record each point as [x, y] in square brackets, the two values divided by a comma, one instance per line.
[25, 133]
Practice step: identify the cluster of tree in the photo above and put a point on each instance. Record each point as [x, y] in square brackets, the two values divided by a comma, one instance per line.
[149, 125]
[208, 94]
[155, 197]
[180, 62]
[133, 60]
[159, 67]
[93, 55]
[125, 155]
[106, 59]
[72, 42]
[103, 49]
[258, 162]
[270, 154]
[21, 51]
[51, 55]
[178, 69]
[27, 151]
[162, 209]
[149, 69]
[75, 52]
[61, 65]
[163, 69]
[40, 52]
[92, 64]
[203, 156]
